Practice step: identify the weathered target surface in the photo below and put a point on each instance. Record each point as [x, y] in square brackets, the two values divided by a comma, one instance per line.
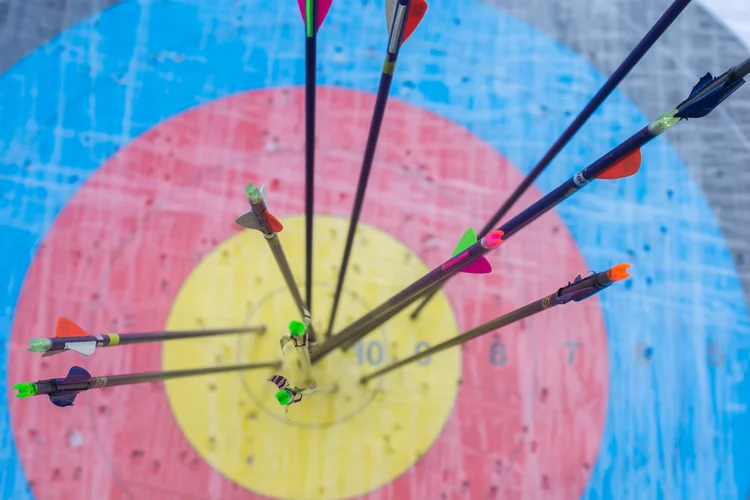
[125, 152]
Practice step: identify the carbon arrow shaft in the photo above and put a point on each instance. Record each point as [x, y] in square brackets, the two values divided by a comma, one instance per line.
[310, 95]
[261, 220]
[139, 378]
[661, 25]
[579, 290]
[60, 344]
[381, 100]
[63, 391]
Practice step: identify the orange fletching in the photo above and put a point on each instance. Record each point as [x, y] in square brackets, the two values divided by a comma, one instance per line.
[66, 328]
[623, 168]
[416, 13]
[274, 223]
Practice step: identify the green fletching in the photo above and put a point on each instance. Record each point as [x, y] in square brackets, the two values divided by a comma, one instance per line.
[25, 389]
[39, 345]
[310, 19]
[296, 328]
[283, 397]
[468, 239]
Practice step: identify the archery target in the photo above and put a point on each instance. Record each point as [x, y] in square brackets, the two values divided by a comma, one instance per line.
[127, 172]
[169, 234]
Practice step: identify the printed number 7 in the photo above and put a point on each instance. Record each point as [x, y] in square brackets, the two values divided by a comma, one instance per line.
[573, 346]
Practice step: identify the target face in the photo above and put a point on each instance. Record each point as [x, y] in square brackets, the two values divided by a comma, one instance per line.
[130, 190]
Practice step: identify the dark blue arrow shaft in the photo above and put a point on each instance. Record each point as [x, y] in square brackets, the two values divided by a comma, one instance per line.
[609, 86]
[381, 100]
[310, 94]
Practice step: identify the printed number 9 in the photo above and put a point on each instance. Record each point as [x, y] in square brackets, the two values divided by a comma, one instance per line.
[421, 346]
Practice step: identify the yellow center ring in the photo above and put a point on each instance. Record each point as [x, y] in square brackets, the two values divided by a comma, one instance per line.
[347, 438]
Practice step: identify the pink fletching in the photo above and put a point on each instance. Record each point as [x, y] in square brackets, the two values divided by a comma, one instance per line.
[323, 7]
[480, 266]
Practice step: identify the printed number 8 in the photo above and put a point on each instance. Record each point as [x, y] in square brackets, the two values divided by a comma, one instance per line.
[497, 353]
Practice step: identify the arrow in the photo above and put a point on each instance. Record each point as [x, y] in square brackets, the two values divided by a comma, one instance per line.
[669, 16]
[616, 164]
[260, 219]
[311, 10]
[580, 289]
[62, 392]
[71, 337]
[404, 13]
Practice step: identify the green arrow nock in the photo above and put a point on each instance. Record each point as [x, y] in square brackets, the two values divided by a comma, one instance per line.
[25, 389]
[253, 193]
[283, 397]
[39, 345]
[296, 328]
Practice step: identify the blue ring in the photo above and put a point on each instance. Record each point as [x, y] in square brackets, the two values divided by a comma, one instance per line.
[466, 63]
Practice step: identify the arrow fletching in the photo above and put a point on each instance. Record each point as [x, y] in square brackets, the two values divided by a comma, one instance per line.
[323, 7]
[85, 348]
[416, 13]
[66, 328]
[479, 266]
[264, 194]
[623, 168]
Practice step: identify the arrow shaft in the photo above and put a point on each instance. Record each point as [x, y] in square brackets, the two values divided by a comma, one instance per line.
[505, 320]
[395, 39]
[632, 59]
[139, 378]
[57, 388]
[278, 254]
[741, 70]
[376, 317]
[381, 101]
[114, 339]
[258, 206]
[310, 95]
[578, 290]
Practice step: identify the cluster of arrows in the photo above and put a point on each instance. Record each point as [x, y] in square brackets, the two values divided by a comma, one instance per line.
[403, 17]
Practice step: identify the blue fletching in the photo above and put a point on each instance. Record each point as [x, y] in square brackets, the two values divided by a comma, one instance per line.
[702, 83]
[705, 104]
[77, 374]
[63, 399]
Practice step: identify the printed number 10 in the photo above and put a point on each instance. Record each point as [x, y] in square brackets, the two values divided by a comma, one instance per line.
[373, 352]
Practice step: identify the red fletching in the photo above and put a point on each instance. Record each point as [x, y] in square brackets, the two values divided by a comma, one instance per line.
[623, 168]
